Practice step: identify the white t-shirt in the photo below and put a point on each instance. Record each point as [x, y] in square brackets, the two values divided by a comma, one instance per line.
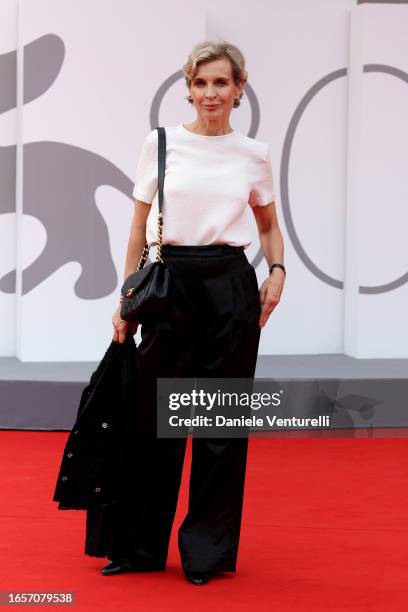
[209, 183]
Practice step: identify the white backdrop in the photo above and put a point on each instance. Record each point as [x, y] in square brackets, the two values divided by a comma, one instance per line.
[376, 286]
[87, 96]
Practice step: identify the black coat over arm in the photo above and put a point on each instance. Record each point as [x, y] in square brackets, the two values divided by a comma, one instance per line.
[94, 464]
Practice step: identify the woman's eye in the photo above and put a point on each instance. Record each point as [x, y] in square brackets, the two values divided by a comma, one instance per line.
[198, 84]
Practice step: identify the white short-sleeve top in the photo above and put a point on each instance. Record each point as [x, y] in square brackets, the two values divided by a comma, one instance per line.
[209, 183]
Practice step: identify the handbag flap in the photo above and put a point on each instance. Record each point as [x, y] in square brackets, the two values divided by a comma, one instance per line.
[136, 280]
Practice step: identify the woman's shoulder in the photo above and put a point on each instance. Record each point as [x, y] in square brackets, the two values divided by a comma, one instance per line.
[256, 148]
[152, 137]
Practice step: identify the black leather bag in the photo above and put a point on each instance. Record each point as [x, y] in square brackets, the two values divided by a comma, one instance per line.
[145, 293]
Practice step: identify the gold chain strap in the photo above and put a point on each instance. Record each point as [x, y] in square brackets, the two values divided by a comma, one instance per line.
[160, 237]
[146, 247]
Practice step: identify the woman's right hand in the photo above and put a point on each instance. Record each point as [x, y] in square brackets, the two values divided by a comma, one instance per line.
[121, 327]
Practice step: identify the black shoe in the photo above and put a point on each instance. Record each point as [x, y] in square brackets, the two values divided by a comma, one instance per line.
[118, 567]
[198, 578]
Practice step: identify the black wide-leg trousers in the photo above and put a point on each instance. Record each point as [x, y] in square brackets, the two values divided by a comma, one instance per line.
[211, 330]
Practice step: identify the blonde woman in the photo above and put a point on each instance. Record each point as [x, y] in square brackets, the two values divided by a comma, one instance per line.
[217, 312]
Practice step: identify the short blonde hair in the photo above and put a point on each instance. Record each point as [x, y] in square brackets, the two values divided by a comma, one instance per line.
[210, 50]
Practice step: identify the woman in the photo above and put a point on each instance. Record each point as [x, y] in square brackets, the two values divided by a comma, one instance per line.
[217, 313]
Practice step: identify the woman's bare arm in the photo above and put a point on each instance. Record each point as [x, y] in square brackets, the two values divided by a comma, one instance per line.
[137, 237]
[270, 236]
[272, 246]
[136, 243]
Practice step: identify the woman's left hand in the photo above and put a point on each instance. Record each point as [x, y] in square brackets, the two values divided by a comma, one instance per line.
[270, 293]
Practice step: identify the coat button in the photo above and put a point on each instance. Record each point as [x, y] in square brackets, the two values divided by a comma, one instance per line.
[64, 478]
[97, 489]
[104, 425]
[69, 455]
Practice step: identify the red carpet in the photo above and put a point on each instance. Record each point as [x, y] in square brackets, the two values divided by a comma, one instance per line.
[324, 528]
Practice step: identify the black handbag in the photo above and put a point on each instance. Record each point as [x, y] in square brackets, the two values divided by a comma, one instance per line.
[145, 293]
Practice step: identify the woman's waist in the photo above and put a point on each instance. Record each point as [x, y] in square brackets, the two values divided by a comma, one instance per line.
[205, 261]
[202, 250]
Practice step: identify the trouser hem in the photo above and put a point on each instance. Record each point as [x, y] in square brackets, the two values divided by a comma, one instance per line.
[209, 565]
[142, 565]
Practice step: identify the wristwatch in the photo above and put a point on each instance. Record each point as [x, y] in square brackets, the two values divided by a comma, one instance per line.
[277, 265]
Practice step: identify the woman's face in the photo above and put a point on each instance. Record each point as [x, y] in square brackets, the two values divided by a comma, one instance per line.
[213, 89]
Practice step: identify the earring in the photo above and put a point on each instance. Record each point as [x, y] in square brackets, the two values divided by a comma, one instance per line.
[237, 101]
